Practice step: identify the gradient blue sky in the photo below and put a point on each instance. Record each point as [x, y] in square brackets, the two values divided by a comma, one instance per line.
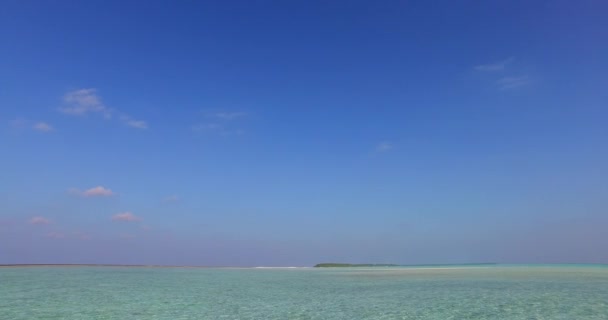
[294, 132]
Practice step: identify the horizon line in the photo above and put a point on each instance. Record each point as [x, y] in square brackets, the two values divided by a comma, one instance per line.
[14, 265]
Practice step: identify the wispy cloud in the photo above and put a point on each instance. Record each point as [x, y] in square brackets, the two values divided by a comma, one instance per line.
[6, 223]
[39, 220]
[126, 216]
[384, 146]
[84, 101]
[138, 124]
[73, 235]
[229, 115]
[87, 101]
[216, 128]
[507, 83]
[222, 123]
[171, 198]
[55, 235]
[43, 127]
[98, 191]
[82, 235]
[23, 124]
[497, 66]
[19, 123]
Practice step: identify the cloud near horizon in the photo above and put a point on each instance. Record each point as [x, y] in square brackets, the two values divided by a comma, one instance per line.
[39, 220]
[126, 216]
[98, 191]
[82, 235]
[74, 235]
[55, 235]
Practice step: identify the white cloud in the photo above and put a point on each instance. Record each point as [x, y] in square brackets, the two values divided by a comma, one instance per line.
[229, 115]
[22, 124]
[125, 216]
[83, 101]
[384, 146]
[98, 191]
[39, 220]
[221, 123]
[507, 83]
[43, 127]
[216, 128]
[137, 124]
[497, 66]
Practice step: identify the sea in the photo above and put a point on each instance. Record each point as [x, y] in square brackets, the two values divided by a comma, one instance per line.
[432, 292]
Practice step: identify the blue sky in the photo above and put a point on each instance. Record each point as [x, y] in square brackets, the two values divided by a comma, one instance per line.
[289, 133]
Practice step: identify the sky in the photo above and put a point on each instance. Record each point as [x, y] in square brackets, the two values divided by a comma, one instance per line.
[288, 133]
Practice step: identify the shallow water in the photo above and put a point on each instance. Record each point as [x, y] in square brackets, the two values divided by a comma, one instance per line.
[495, 292]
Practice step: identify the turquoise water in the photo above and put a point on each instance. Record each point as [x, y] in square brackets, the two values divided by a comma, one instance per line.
[541, 292]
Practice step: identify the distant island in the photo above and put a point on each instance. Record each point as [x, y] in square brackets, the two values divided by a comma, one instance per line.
[344, 265]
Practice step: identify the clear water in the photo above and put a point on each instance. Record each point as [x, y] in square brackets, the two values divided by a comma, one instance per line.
[572, 292]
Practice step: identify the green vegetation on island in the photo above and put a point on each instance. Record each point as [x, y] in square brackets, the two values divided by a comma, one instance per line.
[344, 265]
